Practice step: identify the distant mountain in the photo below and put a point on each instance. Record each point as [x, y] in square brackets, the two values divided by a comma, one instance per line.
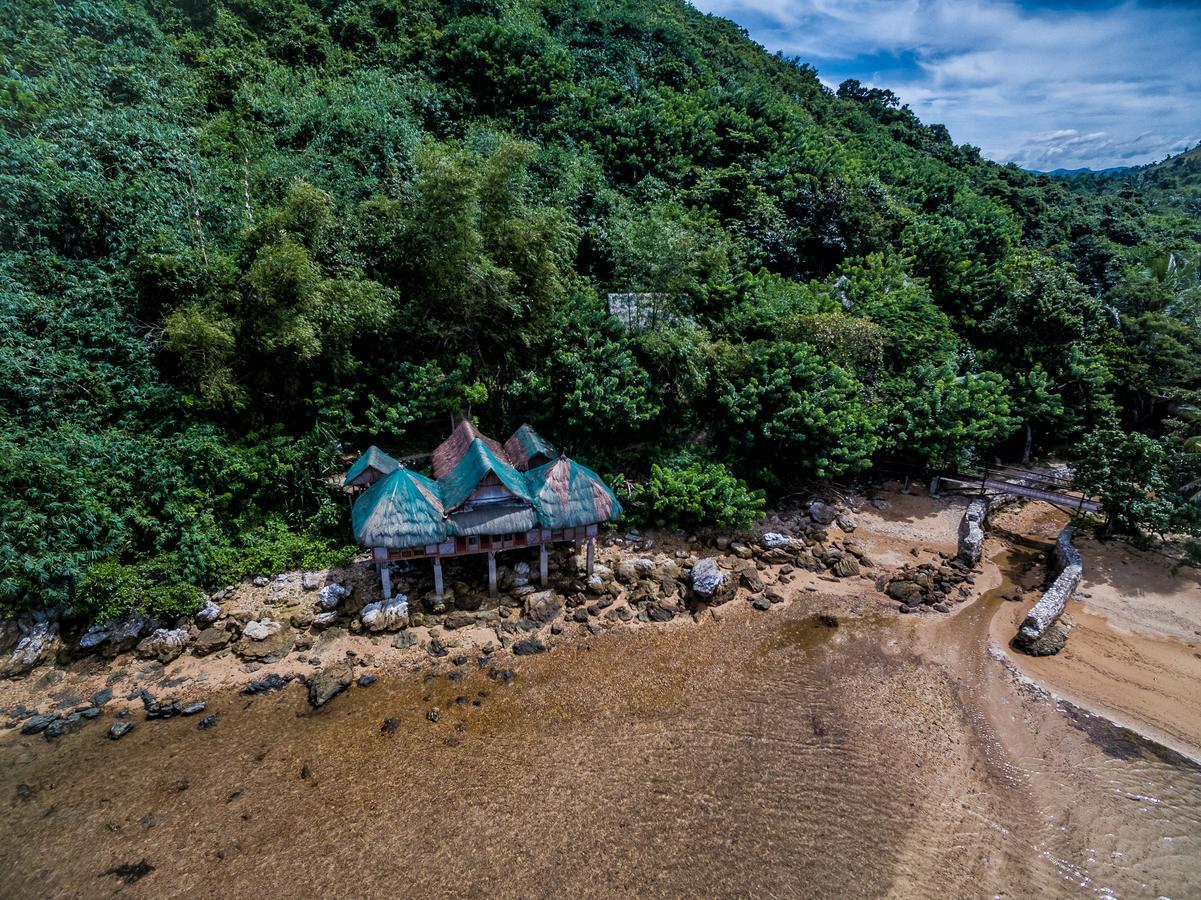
[1072, 173]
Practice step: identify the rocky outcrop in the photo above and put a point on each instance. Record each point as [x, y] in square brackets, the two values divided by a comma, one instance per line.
[36, 643]
[1050, 607]
[971, 531]
[164, 644]
[333, 594]
[328, 683]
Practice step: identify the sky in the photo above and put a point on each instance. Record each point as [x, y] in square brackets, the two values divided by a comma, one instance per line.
[1047, 84]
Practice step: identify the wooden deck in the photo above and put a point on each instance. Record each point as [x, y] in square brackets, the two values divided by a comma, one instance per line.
[1053, 490]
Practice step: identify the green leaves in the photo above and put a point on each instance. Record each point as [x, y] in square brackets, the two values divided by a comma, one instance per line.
[687, 492]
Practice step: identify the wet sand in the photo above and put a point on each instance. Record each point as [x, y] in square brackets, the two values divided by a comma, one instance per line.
[1134, 654]
[759, 754]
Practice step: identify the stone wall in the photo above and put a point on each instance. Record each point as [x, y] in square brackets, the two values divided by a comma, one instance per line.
[971, 531]
[1048, 609]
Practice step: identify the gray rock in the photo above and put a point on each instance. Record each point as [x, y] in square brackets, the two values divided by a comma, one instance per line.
[325, 619]
[261, 630]
[710, 583]
[846, 566]
[210, 641]
[208, 614]
[328, 683]
[773, 540]
[262, 581]
[385, 615]
[333, 594]
[38, 642]
[822, 513]
[118, 730]
[543, 606]
[39, 723]
[310, 581]
[845, 522]
[404, 640]
[192, 709]
[529, 646]
[164, 644]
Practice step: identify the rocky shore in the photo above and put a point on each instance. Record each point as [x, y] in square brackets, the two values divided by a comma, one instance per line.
[328, 629]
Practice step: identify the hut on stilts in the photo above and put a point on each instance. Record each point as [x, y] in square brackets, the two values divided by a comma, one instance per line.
[485, 498]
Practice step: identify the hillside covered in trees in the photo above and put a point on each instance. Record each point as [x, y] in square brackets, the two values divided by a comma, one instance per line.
[243, 238]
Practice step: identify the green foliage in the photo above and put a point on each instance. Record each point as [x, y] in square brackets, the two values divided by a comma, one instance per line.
[1129, 471]
[238, 238]
[687, 491]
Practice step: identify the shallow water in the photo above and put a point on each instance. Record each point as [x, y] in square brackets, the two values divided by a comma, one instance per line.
[766, 755]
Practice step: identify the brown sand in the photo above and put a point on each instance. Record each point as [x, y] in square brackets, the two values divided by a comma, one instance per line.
[1134, 654]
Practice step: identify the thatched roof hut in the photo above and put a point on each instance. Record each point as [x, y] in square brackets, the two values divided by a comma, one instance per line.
[528, 449]
[403, 509]
[481, 467]
[569, 495]
[450, 452]
[369, 468]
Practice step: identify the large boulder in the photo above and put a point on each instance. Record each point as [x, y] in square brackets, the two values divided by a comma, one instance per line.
[845, 566]
[328, 683]
[822, 513]
[120, 636]
[386, 615]
[773, 540]
[543, 606]
[710, 583]
[164, 644]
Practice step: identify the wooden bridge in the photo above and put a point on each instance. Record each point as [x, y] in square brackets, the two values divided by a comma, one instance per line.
[1048, 487]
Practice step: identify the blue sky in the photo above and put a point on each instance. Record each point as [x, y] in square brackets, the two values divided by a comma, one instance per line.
[1044, 84]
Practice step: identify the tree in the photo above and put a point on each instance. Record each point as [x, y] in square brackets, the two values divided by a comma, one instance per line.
[1129, 471]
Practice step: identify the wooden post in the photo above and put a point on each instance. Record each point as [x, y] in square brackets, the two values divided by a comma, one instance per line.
[438, 577]
[591, 555]
[542, 563]
[385, 576]
[491, 574]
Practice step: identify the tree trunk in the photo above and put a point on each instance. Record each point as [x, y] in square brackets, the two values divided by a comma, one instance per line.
[1029, 444]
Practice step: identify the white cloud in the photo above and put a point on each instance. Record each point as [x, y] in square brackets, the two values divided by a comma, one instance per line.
[1044, 88]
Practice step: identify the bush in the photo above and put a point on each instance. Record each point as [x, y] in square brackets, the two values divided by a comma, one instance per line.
[153, 587]
[689, 492]
[273, 548]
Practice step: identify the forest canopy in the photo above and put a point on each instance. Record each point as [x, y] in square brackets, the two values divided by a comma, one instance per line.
[245, 238]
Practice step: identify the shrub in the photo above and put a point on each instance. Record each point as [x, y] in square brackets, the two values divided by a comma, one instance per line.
[686, 491]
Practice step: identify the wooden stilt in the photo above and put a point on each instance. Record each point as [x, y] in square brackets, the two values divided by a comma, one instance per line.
[591, 555]
[385, 576]
[542, 563]
[438, 577]
[491, 574]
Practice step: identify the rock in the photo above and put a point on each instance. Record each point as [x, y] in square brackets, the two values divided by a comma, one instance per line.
[366, 680]
[659, 614]
[261, 630]
[328, 683]
[209, 613]
[710, 583]
[742, 551]
[773, 540]
[272, 648]
[845, 523]
[192, 709]
[543, 606]
[272, 682]
[310, 581]
[207, 722]
[386, 615]
[332, 594]
[118, 730]
[210, 640]
[164, 644]
[626, 571]
[528, 647]
[906, 608]
[1053, 640]
[101, 697]
[846, 566]
[880, 503]
[160, 709]
[325, 619]
[38, 642]
[39, 723]
[774, 596]
[404, 640]
[459, 620]
[903, 590]
[942, 608]
[751, 579]
[761, 603]
[723, 543]
[434, 715]
[262, 581]
[822, 513]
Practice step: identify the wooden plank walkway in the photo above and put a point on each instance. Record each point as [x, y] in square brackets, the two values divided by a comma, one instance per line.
[1059, 498]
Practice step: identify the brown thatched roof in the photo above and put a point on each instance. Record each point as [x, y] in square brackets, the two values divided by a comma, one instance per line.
[527, 448]
[451, 451]
[569, 495]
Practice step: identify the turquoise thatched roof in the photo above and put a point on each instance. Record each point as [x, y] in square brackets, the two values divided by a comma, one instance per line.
[569, 495]
[403, 509]
[374, 458]
[525, 445]
[479, 460]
